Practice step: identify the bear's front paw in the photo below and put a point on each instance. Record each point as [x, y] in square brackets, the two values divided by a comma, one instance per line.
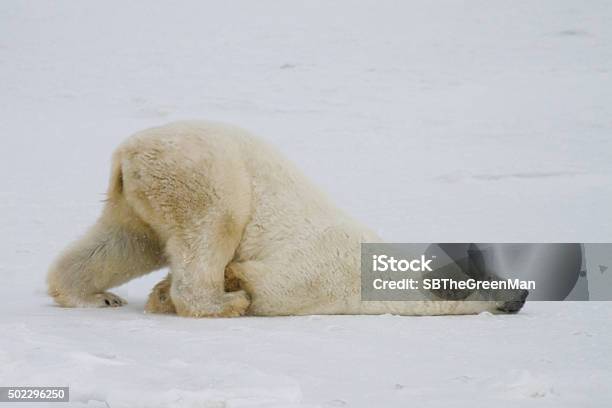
[159, 299]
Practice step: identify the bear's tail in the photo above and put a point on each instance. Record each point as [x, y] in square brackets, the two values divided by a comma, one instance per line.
[115, 187]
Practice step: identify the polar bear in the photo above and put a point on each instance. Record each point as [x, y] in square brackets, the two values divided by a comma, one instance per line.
[242, 231]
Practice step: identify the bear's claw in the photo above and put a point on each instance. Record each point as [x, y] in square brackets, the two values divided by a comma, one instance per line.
[107, 299]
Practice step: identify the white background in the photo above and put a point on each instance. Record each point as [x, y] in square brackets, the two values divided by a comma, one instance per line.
[476, 121]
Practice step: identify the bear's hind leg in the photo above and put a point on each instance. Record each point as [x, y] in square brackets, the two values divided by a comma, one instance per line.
[194, 191]
[198, 275]
[160, 301]
[110, 254]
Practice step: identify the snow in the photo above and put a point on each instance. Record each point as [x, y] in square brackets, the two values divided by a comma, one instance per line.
[430, 121]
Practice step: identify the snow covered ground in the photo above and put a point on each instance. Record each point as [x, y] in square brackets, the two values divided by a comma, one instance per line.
[430, 121]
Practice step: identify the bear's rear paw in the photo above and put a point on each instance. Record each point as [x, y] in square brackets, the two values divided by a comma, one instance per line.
[107, 299]
[104, 299]
[235, 304]
[230, 304]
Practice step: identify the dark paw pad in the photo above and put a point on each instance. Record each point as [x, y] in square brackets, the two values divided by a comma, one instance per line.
[513, 306]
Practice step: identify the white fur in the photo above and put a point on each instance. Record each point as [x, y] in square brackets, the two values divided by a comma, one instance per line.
[217, 204]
